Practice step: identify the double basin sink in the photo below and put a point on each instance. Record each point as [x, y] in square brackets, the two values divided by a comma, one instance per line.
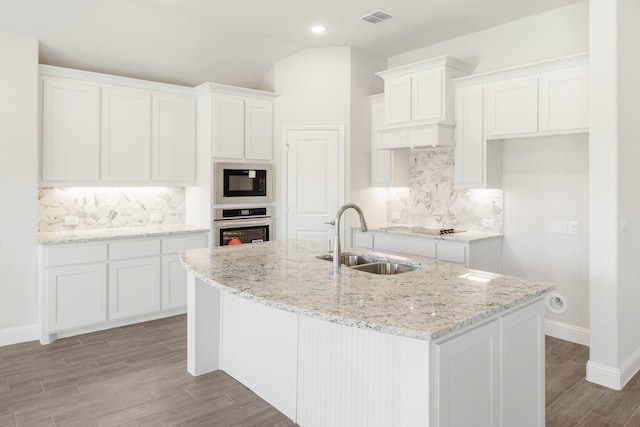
[370, 264]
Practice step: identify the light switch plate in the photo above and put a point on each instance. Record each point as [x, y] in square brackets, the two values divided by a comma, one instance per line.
[395, 215]
[155, 217]
[574, 228]
[488, 223]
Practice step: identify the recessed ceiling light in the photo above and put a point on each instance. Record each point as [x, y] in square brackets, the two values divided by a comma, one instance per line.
[318, 29]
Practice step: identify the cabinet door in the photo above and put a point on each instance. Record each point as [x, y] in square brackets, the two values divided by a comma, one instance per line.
[258, 130]
[126, 135]
[174, 282]
[468, 378]
[452, 252]
[564, 100]
[427, 102]
[381, 160]
[70, 131]
[134, 287]
[523, 367]
[397, 100]
[512, 107]
[77, 295]
[469, 134]
[228, 141]
[173, 144]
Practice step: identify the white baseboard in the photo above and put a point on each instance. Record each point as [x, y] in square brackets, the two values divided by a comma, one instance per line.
[614, 378]
[18, 334]
[567, 332]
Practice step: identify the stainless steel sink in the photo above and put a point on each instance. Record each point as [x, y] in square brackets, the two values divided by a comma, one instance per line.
[349, 260]
[385, 268]
[370, 264]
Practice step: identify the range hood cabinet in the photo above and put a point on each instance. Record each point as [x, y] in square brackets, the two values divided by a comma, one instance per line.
[418, 103]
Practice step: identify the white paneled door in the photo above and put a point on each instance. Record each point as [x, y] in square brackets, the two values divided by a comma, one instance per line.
[315, 181]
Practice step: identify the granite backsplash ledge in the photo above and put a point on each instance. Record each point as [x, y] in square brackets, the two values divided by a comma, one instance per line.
[431, 200]
[108, 207]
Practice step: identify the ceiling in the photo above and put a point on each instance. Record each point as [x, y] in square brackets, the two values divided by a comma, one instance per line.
[236, 42]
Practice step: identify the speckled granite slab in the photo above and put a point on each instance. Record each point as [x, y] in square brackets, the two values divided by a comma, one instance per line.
[58, 237]
[465, 236]
[427, 303]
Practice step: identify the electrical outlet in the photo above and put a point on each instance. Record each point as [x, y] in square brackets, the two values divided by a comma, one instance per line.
[71, 221]
[395, 215]
[488, 223]
[574, 228]
[155, 217]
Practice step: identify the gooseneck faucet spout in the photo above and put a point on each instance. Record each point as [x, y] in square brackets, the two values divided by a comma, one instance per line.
[337, 252]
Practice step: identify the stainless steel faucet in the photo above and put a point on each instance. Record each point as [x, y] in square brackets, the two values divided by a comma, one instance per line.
[337, 252]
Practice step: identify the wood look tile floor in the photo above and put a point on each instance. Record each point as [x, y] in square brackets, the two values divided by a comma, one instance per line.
[136, 376]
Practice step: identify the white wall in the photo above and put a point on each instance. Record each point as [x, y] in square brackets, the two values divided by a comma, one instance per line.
[548, 35]
[546, 179]
[18, 187]
[528, 182]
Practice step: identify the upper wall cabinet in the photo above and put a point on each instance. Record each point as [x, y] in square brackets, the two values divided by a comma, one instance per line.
[546, 98]
[389, 168]
[106, 130]
[418, 103]
[70, 130]
[241, 121]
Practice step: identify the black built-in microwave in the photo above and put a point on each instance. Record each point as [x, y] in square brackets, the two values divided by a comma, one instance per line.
[242, 183]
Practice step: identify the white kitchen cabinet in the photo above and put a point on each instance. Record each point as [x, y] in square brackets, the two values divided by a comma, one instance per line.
[512, 107]
[523, 388]
[126, 135]
[99, 129]
[389, 168]
[134, 287]
[173, 138]
[92, 286]
[418, 103]
[480, 254]
[70, 130]
[258, 130]
[464, 364]
[228, 126]
[174, 276]
[564, 100]
[477, 161]
[242, 122]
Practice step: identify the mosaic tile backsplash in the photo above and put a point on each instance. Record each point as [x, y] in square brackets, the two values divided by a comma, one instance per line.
[433, 201]
[108, 207]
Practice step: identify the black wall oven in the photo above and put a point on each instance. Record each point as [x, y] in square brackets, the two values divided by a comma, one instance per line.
[242, 183]
[233, 226]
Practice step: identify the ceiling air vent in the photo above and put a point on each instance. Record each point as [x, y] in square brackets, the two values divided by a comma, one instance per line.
[377, 17]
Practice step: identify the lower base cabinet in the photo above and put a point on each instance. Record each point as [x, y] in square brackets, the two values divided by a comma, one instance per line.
[483, 254]
[91, 286]
[134, 287]
[77, 295]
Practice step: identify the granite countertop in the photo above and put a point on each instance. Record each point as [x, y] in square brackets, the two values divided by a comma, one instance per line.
[462, 236]
[427, 303]
[59, 237]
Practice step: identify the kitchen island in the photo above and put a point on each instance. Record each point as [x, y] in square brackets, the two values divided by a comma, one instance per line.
[437, 346]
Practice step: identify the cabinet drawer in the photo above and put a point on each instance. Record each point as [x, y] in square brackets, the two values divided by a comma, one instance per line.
[135, 249]
[74, 254]
[452, 253]
[405, 245]
[172, 245]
